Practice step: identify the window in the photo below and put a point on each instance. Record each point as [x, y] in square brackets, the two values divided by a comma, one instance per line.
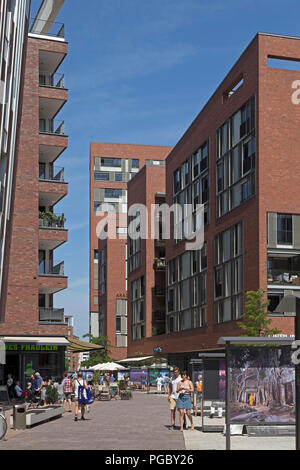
[112, 193]
[177, 181]
[96, 255]
[119, 177]
[101, 176]
[118, 325]
[111, 162]
[284, 229]
[135, 163]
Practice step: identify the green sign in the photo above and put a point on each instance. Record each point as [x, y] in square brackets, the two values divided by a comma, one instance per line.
[31, 347]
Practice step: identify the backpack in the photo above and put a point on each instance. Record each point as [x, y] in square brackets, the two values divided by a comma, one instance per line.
[84, 395]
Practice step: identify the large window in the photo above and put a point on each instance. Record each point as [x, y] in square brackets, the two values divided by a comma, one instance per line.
[191, 186]
[284, 229]
[187, 297]
[111, 162]
[138, 308]
[236, 155]
[103, 270]
[228, 288]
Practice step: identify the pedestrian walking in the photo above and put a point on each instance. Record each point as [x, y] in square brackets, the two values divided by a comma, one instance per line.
[79, 384]
[67, 390]
[198, 396]
[10, 386]
[185, 388]
[159, 382]
[173, 395]
[166, 383]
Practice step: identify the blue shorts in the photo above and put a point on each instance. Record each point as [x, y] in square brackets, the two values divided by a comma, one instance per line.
[184, 402]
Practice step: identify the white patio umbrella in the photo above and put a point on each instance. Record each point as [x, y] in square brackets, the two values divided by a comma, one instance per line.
[108, 366]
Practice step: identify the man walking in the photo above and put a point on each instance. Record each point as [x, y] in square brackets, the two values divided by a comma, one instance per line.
[173, 395]
[67, 390]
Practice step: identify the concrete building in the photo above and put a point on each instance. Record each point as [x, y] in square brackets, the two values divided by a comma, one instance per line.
[239, 158]
[111, 168]
[34, 330]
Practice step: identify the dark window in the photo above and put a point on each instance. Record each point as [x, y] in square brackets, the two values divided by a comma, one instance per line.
[204, 158]
[101, 176]
[113, 162]
[135, 164]
[284, 229]
[118, 177]
[111, 192]
[118, 325]
[96, 254]
[177, 181]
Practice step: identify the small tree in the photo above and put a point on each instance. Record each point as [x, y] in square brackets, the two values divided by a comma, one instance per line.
[101, 355]
[256, 318]
[51, 395]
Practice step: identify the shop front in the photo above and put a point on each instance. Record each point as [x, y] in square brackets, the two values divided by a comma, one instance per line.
[26, 355]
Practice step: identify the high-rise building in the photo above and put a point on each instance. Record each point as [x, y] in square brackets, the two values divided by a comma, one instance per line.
[112, 166]
[34, 329]
[239, 158]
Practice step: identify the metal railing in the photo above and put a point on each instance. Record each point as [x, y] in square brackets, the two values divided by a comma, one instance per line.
[55, 222]
[53, 81]
[47, 28]
[51, 173]
[52, 126]
[51, 315]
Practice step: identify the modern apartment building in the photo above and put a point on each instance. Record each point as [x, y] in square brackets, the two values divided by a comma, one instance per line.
[147, 256]
[112, 166]
[14, 22]
[239, 158]
[34, 329]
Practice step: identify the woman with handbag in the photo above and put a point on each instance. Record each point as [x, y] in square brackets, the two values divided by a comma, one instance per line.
[185, 388]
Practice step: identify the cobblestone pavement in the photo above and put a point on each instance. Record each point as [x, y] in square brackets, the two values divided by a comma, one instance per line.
[137, 424]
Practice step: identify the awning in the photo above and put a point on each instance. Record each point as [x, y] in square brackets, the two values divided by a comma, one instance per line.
[259, 341]
[44, 340]
[77, 346]
[136, 359]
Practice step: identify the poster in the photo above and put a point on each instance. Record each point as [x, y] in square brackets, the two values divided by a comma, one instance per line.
[154, 373]
[262, 385]
[122, 375]
[138, 375]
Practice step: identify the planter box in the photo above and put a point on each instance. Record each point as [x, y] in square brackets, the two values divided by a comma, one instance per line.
[42, 415]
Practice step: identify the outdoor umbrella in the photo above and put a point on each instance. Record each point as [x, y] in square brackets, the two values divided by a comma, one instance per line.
[108, 366]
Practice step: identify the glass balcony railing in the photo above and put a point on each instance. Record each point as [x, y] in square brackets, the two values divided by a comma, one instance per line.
[53, 81]
[51, 126]
[51, 221]
[57, 271]
[51, 315]
[47, 28]
[280, 277]
[51, 173]
[284, 270]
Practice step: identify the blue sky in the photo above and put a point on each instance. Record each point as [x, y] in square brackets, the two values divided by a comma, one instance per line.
[139, 71]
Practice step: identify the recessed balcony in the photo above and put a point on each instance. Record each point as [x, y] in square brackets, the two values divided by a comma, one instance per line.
[52, 127]
[159, 264]
[51, 173]
[48, 29]
[51, 101]
[56, 80]
[47, 269]
[284, 270]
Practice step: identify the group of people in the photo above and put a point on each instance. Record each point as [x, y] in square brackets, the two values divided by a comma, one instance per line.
[181, 391]
[36, 385]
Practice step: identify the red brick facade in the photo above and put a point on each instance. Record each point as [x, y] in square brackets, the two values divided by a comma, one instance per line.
[277, 157]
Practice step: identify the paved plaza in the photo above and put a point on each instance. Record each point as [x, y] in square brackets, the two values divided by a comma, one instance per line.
[139, 424]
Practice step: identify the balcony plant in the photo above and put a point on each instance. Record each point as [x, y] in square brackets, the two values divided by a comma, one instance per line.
[57, 220]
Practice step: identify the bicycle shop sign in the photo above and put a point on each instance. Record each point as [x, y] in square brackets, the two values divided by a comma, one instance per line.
[31, 347]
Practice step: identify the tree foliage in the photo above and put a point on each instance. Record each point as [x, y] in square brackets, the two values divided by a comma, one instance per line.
[100, 356]
[256, 321]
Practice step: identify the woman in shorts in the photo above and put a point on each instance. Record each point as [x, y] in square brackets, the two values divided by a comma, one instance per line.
[185, 388]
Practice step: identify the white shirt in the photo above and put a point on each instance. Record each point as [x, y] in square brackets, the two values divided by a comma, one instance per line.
[77, 382]
[175, 382]
[18, 390]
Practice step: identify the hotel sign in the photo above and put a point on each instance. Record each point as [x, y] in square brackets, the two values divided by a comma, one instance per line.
[31, 347]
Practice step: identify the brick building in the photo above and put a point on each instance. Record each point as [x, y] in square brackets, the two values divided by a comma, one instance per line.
[239, 159]
[34, 330]
[111, 167]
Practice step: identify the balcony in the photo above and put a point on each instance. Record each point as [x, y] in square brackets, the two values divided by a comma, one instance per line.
[52, 127]
[48, 29]
[50, 270]
[159, 291]
[284, 270]
[51, 315]
[51, 221]
[159, 264]
[52, 81]
[51, 173]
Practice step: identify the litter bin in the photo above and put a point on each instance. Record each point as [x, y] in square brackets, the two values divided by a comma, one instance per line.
[19, 414]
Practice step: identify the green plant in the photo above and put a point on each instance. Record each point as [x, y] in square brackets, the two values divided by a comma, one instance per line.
[101, 355]
[126, 394]
[96, 377]
[51, 395]
[122, 385]
[256, 321]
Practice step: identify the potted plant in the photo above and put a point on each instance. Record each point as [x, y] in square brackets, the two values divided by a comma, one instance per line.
[125, 394]
[51, 395]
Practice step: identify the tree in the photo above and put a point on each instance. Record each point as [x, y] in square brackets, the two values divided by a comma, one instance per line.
[256, 318]
[101, 355]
